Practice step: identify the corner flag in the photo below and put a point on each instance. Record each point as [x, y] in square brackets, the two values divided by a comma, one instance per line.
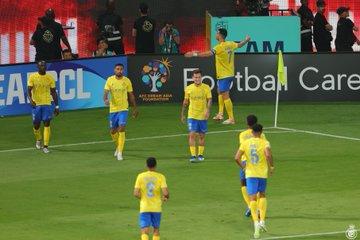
[281, 72]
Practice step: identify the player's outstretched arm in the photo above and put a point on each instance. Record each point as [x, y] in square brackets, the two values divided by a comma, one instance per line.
[244, 42]
[132, 100]
[199, 54]
[56, 101]
[183, 108]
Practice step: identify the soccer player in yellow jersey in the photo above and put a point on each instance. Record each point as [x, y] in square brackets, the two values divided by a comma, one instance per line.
[259, 164]
[251, 120]
[225, 70]
[198, 99]
[151, 189]
[121, 92]
[41, 90]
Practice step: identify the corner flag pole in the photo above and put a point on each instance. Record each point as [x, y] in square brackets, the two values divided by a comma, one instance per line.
[282, 80]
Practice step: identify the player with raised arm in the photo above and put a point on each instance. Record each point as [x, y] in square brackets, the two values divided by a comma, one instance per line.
[225, 70]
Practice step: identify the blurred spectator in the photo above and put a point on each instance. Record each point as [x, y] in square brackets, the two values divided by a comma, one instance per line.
[58, 28]
[169, 39]
[111, 27]
[144, 31]
[322, 29]
[345, 37]
[66, 54]
[45, 40]
[102, 49]
[307, 21]
[265, 5]
[254, 7]
[240, 8]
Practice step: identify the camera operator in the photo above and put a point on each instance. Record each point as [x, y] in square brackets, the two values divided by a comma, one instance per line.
[169, 39]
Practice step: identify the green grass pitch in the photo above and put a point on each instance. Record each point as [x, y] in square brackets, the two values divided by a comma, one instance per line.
[81, 191]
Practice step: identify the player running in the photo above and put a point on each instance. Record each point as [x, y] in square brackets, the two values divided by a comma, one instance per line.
[259, 163]
[243, 136]
[121, 91]
[198, 99]
[41, 87]
[225, 73]
[148, 188]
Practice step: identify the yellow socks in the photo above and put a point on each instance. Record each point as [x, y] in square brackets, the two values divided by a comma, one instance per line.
[144, 237]
[221, 104]
[156, 237]
[229, 108]
[245, 196]
[37, 134]
[121, 141]
[115, 138]
[193, 150]
[201, 150]
[46, 136]
[253, 208]
[262, 208]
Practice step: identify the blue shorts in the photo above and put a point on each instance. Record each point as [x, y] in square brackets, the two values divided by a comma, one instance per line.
[242, 173]
[224, 84]
[150, 219]
[198, 126]
[255, 185]
[118, 119]
[42, 113]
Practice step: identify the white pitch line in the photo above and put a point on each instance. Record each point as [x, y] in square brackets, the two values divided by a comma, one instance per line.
[320, 134]
[304, 235]
[133, 139]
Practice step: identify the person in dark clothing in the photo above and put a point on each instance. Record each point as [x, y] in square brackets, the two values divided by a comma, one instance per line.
[50, 13]
[111, 27]
[144, 31]
[345, 37]
[307, 21]
[45, 40]
[322, 29]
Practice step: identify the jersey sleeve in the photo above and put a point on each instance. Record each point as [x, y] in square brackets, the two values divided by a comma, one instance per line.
[52, 82]
[187, 93]
[129, 87]
[208, 92]
[30, 81]
[234, 45]
[107, 85]
[263, 136]
[138, 182]
[242, 147]
[163, 182]
[267, 144]
[217, 49]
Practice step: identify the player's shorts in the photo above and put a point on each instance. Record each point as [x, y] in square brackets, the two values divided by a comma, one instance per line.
[118, 119]
[150, 219]
[198, 126]
[42, 113]
[242, 173]
[255, 185]
[224, 84]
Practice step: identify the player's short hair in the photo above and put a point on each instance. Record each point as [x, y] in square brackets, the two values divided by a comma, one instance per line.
[143, 8]
[251, 120]
[41, 62]
[151, 162]
[119, 65]
[223, 32]
[257, 128]
[196, 71]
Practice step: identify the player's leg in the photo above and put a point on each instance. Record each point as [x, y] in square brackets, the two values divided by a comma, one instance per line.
[224, 88]
[36, 117]
[252, 189]
[122, 120]
[47, 113]
[220, 115]
[192, 126]
[202, 129]
[262, 203]
[244, 192]
[114, 130]
[155, 222]
[145, 223]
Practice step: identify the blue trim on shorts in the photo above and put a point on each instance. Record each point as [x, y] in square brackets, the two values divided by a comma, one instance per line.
[149, 219]
[224, 84]
[42, 113]
[198, 126]
[118, 119]
[255, 185]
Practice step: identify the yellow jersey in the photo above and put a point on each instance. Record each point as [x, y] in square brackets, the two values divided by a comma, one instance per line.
[41, 85]
[198, 97]
[119, 89]
[150, 184]
[224, 59]
[256, 163]
[245, 135]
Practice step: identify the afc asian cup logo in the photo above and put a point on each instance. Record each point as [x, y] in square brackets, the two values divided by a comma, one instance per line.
[155, 74]
[351, 232]
[221, 24]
